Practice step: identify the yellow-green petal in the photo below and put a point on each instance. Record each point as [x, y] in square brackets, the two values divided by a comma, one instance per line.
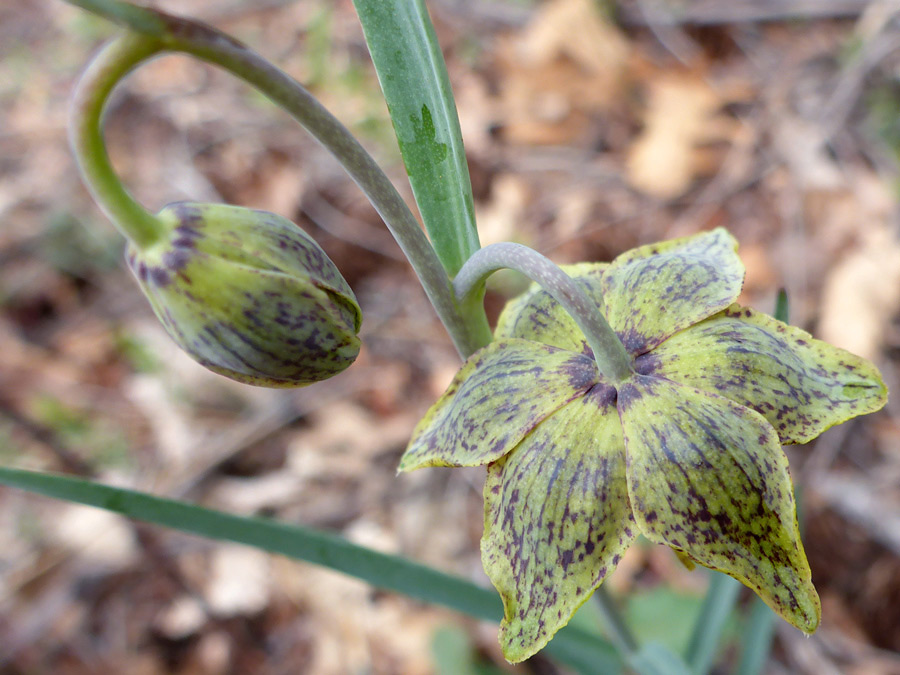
[707, 477]
[654, 291]
[536, 316]
[501, 393]
[802, 386]
[557, 520]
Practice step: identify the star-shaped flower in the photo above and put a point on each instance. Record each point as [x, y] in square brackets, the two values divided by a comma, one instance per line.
[686, 450]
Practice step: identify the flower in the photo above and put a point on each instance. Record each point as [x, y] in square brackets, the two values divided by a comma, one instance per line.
[686, 450]
[249, 295]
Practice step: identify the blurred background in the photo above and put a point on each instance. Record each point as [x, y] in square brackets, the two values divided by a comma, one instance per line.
[590, 128]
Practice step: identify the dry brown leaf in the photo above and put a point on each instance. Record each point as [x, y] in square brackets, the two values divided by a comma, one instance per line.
[102, 537]
[862, 294]
[681, 115]
[566, 66]
[239, 580]
[576, 29]
[802, 145]
[501, 218]
[340, 609]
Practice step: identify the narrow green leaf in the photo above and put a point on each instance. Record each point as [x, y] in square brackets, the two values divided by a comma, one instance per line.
[140, 19]
[720, 598]
[414, 79]
[656, 659]
[782, 306]
[572, 646]
[757, 639]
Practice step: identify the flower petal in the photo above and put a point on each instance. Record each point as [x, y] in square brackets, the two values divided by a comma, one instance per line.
[536, 316]
[501, 393]
[708, 477]
[802, 386]
[654, 291]
[557, 520]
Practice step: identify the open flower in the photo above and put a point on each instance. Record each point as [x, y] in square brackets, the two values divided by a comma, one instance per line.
[686, 450]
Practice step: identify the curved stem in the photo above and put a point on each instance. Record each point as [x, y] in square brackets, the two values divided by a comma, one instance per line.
[213, 46]
[86, 137]
[612, 359]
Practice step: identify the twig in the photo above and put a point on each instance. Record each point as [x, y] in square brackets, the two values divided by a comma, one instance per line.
[715, 12]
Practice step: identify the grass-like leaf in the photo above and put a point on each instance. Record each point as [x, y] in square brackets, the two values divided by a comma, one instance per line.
[584, 652]
[414, 79]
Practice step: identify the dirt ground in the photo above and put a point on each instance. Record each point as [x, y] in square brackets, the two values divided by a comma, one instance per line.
[588, 132]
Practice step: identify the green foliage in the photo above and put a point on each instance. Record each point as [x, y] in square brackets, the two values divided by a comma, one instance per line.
[414, 79]
[78, 429]
[139, 355]
[582, 651]
[69, 246]
[663, 615]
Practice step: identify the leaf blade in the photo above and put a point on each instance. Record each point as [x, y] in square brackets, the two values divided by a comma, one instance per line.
[416, 86]
[394, 573]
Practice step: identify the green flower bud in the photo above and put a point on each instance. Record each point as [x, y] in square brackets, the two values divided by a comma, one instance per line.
[249, 295]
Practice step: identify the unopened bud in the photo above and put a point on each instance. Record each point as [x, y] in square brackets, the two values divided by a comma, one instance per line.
[249, 295]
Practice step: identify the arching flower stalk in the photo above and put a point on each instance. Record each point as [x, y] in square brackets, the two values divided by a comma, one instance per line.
[684, 449]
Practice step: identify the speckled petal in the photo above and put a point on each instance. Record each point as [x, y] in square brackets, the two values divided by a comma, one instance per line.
[802, 386]
[256, 326]
[501, 393]
[707, 476]
[536, 316]
[654, 291]
[557, 520]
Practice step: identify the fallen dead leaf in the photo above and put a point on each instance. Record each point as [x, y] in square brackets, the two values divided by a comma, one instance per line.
[239, 581]
[681, 115]
[862, 294]
[567, 65]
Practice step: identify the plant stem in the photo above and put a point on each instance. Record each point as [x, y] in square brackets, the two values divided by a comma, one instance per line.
[213, 46]
[720, 598]
[86, 137]
[616, 627]
[757, 639]
[612, 359]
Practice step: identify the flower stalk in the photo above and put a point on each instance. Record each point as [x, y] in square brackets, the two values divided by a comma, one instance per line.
[609, 353]
[217, 48]
[86, 138]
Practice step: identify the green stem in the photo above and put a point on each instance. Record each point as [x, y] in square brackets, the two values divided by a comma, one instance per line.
[616, 627]
[86, 137]
[757, 639]
[612, 359]
[717, 606]
[213, 46]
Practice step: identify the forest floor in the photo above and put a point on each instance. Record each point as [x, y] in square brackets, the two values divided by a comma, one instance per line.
[586, 136]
